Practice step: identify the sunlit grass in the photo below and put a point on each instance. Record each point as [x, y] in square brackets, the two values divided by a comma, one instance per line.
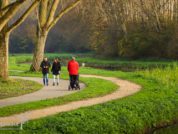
[17, 87]
[156, 103]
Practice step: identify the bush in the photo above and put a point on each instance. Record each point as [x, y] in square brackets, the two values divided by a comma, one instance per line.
[145, 44]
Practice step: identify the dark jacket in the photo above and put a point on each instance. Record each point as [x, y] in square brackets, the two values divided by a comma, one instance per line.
[56, 68]
[45, 65]
[73, 67]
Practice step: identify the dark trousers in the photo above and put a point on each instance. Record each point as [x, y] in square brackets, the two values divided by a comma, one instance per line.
[45, 79]
[74, 80]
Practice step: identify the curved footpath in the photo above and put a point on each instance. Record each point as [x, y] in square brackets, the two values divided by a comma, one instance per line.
[47, 92]
[125, 89]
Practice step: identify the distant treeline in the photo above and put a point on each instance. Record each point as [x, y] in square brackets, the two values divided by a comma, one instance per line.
[67, 36]
[118, 28]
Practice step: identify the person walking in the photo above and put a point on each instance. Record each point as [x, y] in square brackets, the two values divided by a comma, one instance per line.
[73, 69]
[56, 68]
[45, 65]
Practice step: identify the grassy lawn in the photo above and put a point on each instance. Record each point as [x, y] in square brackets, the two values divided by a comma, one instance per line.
[17, 87]
[93, 89]
[91, 61]
[155, 104]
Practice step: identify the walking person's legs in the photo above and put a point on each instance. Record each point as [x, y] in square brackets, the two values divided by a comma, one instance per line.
[44, 79]
[46, 76]
[57, 77]
[77, 81]
[72, 81]
[54, 80]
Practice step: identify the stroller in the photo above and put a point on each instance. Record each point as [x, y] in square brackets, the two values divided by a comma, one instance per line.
[74, 82]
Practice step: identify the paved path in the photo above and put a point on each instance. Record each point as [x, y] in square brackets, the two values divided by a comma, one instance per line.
[125, 89]
[46, 92]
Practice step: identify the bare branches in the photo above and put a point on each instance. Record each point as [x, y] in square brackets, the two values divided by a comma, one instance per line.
[43, 12]
[10, 13]
[63, 12]
[52, 12]
[4, 9]
[24, 16]
[153, 14]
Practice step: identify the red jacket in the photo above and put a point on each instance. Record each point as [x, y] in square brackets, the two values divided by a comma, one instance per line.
[73, 67]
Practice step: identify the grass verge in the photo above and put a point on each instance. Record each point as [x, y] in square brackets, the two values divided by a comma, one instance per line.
[156, 103]
[93, 89]
[17, 87]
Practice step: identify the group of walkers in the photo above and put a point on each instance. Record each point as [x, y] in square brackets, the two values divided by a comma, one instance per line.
[72, 67]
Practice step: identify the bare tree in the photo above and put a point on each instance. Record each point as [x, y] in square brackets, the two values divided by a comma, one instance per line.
[7, 12]
[120, 18]
[48, 16]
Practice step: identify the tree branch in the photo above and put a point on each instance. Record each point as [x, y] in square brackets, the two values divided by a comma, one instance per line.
[24, 16]
[52, 12]
[38, 22]
[63, 12]
[7, 7]
[43, 11]
[10, 13]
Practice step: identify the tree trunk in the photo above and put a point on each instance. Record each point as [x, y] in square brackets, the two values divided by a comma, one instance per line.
[39, 52]
[4, 52]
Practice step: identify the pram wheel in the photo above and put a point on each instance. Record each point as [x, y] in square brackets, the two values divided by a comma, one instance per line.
[69, 88]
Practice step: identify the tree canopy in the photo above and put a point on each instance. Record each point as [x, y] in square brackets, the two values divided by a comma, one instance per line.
[123, 28]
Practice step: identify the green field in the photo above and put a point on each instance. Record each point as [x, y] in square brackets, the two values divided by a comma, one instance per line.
[124, 54]
[94, 61]
[129, 115]
[17, 87]
[93, 89]
[155, 104]
[105, 87]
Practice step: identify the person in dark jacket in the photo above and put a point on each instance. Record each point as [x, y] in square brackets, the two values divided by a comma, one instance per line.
[56, 68]
[45, 65]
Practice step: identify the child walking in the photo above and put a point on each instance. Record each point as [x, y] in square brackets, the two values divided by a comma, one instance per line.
[56, 68]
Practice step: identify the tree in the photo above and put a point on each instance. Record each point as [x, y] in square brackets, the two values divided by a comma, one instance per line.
[47, 18]
[134, 28]
[7, 12]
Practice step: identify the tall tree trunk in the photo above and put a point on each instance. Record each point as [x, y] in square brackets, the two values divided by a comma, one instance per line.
[6, 28]
[4, 52]
[47, 18]
[39, 52]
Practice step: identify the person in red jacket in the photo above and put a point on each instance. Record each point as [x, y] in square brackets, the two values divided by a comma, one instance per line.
[73, 69]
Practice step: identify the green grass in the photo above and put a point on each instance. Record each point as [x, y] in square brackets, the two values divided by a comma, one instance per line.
[156, 103]
[17, 87]
[93, 89]
[92, 61]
